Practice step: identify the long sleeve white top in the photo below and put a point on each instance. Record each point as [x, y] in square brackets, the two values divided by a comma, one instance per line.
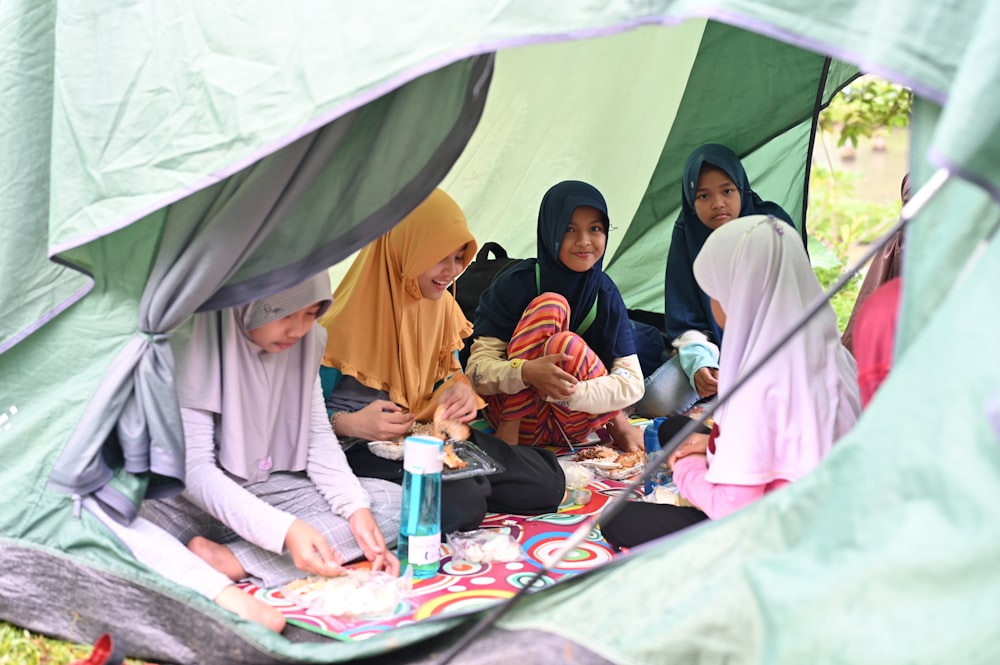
[223, 496]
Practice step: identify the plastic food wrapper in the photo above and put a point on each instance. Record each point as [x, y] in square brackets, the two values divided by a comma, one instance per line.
[577, 475]
[667, 494]
[358, 594]
[484, 546]
[477, 462]
[474, 460]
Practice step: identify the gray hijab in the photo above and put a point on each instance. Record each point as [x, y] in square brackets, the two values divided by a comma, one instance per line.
[262, 401]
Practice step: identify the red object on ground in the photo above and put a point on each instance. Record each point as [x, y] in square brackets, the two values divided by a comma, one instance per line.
[104, 653]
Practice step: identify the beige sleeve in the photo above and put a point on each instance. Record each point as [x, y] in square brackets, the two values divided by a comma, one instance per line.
[490, 371]
[623, 386]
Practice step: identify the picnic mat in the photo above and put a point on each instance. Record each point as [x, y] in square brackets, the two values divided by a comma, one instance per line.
[461, 586]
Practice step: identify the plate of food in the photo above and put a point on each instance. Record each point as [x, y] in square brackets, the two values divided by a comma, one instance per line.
[387, 449]
[446, 430]
[610, 463]
[357, 594]
[462, 457]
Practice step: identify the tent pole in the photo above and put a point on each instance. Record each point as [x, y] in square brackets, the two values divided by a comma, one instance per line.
[813, 129]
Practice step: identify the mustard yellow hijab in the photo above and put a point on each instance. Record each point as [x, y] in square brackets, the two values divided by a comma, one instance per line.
[380, 329]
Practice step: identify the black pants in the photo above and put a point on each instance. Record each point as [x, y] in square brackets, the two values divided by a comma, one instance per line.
[639, 522]
[531, 483]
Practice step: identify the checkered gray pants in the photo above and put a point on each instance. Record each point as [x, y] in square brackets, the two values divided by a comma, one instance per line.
[293, 493]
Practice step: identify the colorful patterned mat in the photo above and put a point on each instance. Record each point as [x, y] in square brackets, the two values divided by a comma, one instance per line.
[460, 586]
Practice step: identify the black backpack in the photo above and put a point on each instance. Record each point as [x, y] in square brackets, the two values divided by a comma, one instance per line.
[478, 277]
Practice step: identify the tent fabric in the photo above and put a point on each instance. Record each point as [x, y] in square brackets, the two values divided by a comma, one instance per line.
[35, 289]
[977, 77]
[133, 135]
[210, 234]
[697, 91]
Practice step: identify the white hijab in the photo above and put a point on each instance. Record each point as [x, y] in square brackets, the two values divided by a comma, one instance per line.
[262, 401]
[784, 420]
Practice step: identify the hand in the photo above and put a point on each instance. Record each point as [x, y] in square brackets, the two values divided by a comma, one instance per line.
[371, 541]
[459, 402]
[380, 420]
[696, 456]
[310, 551]
[695, 444]
[626, 437]
[706, 381]
[545, 375]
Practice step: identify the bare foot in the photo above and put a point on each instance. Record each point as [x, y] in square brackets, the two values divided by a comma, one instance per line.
[248, 607]
[507, 430]
[218, 556]
[625, 436]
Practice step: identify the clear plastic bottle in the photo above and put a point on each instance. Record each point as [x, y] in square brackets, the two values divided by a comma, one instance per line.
[420, 528]
[651, 440]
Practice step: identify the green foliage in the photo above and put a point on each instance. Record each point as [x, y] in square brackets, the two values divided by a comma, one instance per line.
[866, 106]
[20, 647]
[841, 222]
[842, 301]
[838, 218]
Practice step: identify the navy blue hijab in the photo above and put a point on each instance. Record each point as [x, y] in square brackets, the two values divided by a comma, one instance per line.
[687, 307]
[501, 306]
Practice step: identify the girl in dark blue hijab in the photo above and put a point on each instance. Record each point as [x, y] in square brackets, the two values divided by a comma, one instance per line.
[715, 190]
[553, 352]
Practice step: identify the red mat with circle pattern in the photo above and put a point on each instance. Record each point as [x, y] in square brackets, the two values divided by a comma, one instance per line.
[460, 586]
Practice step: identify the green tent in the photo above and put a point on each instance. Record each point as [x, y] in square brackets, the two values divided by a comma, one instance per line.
[164, 158]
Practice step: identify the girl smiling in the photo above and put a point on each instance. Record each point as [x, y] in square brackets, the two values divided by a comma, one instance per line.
[554, 354]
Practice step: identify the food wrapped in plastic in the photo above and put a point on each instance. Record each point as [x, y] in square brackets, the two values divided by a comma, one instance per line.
[484, 546]
[357, 594]
[577, 475]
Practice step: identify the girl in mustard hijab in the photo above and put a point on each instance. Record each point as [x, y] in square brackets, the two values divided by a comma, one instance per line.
[393, 334]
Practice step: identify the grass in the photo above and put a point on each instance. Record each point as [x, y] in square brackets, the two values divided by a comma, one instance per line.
[21, 647]
[843, 300]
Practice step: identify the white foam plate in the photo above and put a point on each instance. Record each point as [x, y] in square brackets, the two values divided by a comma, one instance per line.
[392, 450]
[600, 464]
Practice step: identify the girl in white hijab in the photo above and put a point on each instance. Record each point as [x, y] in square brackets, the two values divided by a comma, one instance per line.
[786, 417]
[269, 493]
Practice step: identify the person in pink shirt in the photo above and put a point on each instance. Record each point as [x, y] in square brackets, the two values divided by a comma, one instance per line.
[781, 423]
[875, 337]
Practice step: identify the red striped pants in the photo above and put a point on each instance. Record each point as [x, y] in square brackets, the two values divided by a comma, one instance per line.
[542, 331]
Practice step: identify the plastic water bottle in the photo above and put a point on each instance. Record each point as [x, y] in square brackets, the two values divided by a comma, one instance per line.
[651, 441]
[420, 527]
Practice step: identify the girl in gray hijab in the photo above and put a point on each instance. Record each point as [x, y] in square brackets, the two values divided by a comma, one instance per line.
[268, 491]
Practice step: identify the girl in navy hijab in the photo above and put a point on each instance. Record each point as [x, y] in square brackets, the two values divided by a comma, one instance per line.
[553, 353]
[715, 191]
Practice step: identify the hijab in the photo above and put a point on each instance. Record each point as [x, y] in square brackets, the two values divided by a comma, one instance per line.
[503, 303]
[262, 401]
[381, 330]
[784, 420]
[687, 305]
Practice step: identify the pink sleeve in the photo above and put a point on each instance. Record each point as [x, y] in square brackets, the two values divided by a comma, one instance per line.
[714, 500]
